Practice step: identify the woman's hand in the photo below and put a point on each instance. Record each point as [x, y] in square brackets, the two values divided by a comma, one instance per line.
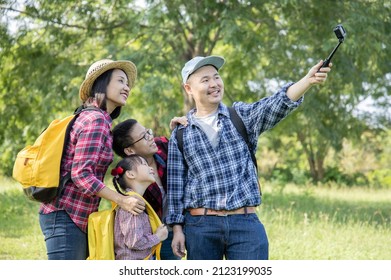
[132, 204]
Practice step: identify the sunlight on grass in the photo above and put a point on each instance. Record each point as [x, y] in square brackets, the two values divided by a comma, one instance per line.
[7, 184]
[20, 234]
[302, 223]
[326, 223]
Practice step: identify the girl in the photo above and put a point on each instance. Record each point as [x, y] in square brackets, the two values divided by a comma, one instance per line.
[133, 236]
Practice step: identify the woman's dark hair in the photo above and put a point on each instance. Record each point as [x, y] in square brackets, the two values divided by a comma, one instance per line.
[121, 136]
[99, 90]
[125, 164]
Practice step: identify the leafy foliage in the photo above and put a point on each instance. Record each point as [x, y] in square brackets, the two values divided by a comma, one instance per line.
[47, 46]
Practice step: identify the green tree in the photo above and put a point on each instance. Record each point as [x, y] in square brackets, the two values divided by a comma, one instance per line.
[361, 71]
[266, 43]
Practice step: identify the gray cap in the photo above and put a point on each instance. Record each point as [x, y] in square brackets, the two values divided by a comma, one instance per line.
[197, 62]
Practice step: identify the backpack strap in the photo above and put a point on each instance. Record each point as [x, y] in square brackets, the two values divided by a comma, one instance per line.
[67, 177]
[179, 139]
[239, 125]
[154, 221]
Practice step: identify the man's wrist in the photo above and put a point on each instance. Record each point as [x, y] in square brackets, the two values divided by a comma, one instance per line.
[177, 228]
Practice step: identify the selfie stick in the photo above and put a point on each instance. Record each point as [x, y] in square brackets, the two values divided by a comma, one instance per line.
[341, 34]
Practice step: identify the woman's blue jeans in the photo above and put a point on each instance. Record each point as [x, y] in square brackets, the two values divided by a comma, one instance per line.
[232, 237]
[64, 240]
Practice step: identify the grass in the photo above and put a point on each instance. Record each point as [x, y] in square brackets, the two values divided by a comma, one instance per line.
[20, 234]
[302, 223]
[327, 223]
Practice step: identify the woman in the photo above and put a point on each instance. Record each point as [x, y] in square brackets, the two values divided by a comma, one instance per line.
[87, 156]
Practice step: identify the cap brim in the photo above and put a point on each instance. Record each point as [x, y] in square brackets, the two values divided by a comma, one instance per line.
[216, 61]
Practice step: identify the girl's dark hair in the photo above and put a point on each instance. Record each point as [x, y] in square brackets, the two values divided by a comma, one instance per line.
[99, 90]
[121, 136]
[125, 164]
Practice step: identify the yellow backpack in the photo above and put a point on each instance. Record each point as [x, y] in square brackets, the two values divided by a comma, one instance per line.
[101, 232]
[37, 167]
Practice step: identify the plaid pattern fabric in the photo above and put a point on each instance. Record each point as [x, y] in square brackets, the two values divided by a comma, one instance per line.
[153, 194]
[133, 236]
[87, 157]
[225, 177]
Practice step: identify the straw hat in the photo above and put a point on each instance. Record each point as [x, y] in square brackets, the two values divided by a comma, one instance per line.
[101, 66]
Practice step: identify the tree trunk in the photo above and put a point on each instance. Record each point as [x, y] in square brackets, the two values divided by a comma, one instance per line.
[319, 164]
[315, 159]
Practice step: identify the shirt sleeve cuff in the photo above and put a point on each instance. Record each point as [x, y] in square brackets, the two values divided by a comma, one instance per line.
[290, 103]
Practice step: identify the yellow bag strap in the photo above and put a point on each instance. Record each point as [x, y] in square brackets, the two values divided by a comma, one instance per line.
[155, 222]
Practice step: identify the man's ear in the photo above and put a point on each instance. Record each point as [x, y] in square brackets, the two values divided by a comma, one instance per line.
[129, 151]
[187, 88]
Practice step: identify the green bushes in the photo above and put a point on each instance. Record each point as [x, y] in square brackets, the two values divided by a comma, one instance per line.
[378, 179]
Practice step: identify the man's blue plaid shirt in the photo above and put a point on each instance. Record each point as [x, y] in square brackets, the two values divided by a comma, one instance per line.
[224, 177]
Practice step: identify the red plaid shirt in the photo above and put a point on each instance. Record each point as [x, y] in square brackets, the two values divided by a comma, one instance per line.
[153, 194]
[87, 156]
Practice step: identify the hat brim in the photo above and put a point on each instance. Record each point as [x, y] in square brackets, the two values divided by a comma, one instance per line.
[127, 66]
[216, 61]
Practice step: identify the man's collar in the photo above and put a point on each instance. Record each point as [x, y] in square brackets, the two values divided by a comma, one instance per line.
[221, 110]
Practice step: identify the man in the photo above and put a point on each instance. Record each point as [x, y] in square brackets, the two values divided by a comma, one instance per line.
[213, 186]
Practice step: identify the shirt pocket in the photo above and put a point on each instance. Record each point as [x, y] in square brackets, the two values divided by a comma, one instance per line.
[198, 157]
[105, 153]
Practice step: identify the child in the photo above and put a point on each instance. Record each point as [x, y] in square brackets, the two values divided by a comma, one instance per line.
[133, 236]
[131, 137]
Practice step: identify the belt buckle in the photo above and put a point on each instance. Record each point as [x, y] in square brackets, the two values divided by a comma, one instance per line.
[222, 213]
